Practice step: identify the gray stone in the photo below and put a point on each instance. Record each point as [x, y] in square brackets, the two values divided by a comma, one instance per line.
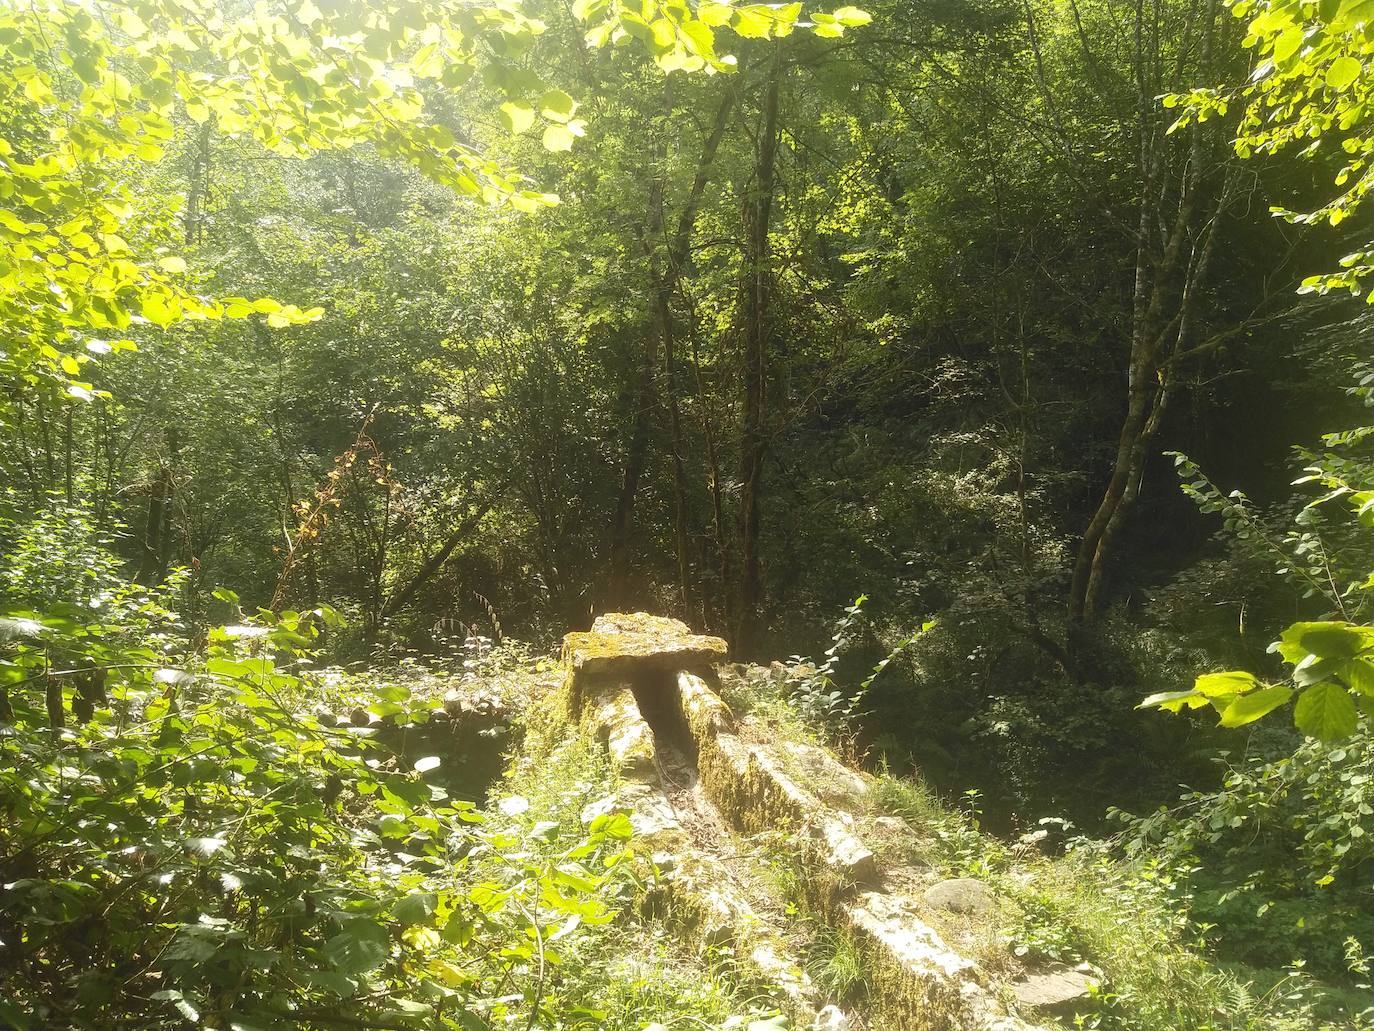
[912, 945]
[961, 895]
[622, 642]
[1061, 990]
[628, 738]
[707, 716]
[652, 816]
[768, 959]
[832, 1018]
[836, 845]
[843, 852]
[831, 779]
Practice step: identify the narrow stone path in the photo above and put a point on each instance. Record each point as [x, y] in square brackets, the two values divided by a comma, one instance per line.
[687, 796]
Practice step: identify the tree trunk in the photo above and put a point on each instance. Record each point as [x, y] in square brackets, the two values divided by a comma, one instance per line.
[757, 298]
[153, 526]
[680, 531]
[1173, 252]
[642, 401]
[169, 501]
[713, 477]
[198, 184]
[664, 277]
[435, 562]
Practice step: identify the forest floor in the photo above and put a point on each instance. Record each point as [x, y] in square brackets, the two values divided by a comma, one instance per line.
[1055, 910]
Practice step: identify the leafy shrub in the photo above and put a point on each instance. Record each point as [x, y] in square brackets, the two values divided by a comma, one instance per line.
[202, 847]
[1282, 853]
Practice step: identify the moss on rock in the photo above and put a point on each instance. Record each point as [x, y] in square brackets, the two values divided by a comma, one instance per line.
[625, 642]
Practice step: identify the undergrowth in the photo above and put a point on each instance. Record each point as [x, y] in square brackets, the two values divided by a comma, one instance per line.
[637, 973]
[1127, 921]
[1074, 901]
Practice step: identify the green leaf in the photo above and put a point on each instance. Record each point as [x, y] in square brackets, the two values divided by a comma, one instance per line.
[852, 16]
[1174, 701]
[1325, 711]
[1250, 707]
[160, 311]
[1219, 685]
[362, 946]
[1359, 674]
[1313, 670]
[826, 26]
[752, 22]
[332, 982]
[557, 105]
[558, 137]
[1287, 43]
[409, 1007]
[1328, 639]
[415, 909]
[1342, 72]
[714, 15]
[517, 116]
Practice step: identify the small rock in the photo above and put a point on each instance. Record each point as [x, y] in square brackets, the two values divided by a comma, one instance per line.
[1059, 990]
[961, 895]
[832, 1018]
[890, 825]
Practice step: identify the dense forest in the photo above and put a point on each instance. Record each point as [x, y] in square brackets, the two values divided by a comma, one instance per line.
[992, 376]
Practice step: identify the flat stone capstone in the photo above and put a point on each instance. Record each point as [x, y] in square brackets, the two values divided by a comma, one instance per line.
[621, 642]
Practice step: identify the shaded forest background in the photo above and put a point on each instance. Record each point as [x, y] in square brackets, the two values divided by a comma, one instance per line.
[915, 313]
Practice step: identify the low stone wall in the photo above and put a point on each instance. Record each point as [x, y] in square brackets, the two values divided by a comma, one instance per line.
[635, 677]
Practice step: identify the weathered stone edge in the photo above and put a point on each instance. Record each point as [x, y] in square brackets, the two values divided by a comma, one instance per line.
[687, 893]
[921, 982]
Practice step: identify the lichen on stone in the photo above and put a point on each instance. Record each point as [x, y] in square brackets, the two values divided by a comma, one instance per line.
[624, 642]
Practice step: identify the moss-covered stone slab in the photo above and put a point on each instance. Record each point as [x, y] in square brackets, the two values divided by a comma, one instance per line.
[833, 842]
[794, 983]
[966, 895]
[916, 979]
[625, 643]
[706, 714]
[619, 726]
[655, 823]
[842, 852]
[832, 780]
